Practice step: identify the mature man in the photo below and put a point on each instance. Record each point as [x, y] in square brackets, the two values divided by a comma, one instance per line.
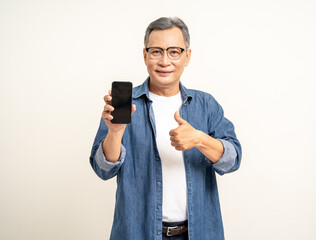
[165, 160]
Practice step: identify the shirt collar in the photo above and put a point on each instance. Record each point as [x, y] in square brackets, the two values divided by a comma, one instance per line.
[144, 90]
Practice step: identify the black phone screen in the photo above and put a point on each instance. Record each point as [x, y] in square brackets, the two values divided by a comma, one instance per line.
[122, 102]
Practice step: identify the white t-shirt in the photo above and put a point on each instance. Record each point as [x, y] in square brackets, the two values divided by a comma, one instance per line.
[174, 207]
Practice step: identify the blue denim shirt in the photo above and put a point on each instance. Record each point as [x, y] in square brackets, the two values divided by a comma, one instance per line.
[138, 208]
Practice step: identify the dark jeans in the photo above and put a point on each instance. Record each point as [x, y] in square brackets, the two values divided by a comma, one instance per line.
[183, 236]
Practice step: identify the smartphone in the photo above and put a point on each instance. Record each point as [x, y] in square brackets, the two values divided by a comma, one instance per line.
[122, 102]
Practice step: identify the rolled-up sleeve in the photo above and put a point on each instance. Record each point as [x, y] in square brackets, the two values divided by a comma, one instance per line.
[106, 165]
[227, 161]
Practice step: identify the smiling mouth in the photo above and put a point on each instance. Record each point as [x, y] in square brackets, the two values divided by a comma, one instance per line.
[163, 73]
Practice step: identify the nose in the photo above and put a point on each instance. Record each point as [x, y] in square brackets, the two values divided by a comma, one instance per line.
[164, 60]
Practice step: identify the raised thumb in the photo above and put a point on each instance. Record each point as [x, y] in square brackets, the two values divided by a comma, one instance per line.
[178, 119]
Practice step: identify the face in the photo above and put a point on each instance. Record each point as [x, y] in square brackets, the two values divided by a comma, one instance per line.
[165, 73]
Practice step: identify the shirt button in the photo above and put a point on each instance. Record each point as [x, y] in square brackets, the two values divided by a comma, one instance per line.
[158, 206]
[158, 233]
[157, 158]
[158, 183]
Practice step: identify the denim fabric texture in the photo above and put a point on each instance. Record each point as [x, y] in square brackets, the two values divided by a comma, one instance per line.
[138, 207]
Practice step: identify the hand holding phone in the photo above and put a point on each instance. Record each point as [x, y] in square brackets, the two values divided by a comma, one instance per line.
[112, 143]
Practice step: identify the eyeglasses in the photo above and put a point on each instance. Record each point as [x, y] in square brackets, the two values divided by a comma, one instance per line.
[173, 53]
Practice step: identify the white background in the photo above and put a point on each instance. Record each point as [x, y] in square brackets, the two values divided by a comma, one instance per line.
[58, 59]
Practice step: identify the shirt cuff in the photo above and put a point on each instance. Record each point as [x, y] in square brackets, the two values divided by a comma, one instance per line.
[106, 165]
[227, 161]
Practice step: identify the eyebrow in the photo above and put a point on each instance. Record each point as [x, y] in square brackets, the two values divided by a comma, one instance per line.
[167, 47]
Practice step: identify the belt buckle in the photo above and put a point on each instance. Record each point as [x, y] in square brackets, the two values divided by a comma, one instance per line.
[168, 231]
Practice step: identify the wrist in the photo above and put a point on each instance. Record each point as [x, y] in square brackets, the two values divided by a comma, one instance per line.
[114, 136]
[112, 145]
[199, 139]
[117, 132]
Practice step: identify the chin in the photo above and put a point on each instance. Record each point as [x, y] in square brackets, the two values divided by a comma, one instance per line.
[164, 80]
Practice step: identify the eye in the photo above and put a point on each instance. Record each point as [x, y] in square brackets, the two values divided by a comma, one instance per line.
[155, 51]
[174, 52]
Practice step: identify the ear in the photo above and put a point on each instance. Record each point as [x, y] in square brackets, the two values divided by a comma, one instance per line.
[187, 57]
[145, 56]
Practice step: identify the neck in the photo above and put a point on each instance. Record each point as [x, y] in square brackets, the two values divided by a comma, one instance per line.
[166, 91]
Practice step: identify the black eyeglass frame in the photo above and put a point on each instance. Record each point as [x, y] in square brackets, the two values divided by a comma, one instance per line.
[163, 49]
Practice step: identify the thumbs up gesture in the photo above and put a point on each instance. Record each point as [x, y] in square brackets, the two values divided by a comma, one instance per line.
[183, 137]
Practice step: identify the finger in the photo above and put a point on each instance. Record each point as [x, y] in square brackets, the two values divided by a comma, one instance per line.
[174, 139]
[108, 108]
[133, 108]
[172, 132]
[179, 148]
[178, 119]
[174, 144]
[107, 99]
[107, 116]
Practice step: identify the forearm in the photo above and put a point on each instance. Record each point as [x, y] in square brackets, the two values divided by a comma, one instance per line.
[112, 146]
[212, 148]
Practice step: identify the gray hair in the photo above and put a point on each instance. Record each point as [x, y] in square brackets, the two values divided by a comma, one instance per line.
[166, 23]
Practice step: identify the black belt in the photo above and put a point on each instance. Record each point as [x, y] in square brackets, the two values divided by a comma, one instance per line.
[173, 231]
